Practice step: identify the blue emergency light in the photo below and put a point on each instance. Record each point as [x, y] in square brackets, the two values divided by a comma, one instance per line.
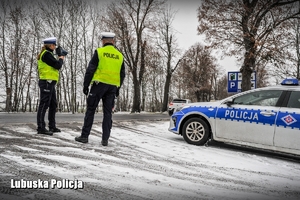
[290, 81]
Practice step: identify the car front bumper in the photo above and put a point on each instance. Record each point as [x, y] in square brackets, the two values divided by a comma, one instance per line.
[174, 122]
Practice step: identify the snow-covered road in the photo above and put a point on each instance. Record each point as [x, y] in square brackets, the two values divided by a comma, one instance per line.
[143, 161]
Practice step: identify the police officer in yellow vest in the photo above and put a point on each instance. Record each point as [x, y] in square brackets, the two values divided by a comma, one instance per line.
[105, 73]
[48, 69]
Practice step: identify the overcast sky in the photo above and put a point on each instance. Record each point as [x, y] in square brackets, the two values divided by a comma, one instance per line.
[186, 23]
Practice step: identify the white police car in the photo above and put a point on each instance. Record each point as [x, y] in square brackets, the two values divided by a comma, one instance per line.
[267, 118]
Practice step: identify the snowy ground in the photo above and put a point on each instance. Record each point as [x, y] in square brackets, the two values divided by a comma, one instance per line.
[143, 161]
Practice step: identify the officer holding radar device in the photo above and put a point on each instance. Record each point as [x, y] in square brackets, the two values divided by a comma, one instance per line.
[48, 70]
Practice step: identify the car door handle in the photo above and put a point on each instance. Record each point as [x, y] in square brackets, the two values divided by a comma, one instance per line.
[267, 113]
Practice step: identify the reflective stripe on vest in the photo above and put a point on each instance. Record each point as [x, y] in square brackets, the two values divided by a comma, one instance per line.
[109, 66]
[46, 72]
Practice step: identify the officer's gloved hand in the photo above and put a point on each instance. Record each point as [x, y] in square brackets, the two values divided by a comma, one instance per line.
[118, 92]
[58, 51]
[85, 90]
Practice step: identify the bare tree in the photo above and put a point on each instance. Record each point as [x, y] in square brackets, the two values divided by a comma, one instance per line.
[16, 54]
[131, 19]
[23, 26]
[298, 47]
[221, 91]
[73, 40]
[246, 26]
[4, 65]
[198, 68]
[167, 45]
[152, 85]
[289, 66]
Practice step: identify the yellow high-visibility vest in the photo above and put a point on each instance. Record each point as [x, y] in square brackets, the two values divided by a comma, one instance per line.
[46, 72]
[109, 66]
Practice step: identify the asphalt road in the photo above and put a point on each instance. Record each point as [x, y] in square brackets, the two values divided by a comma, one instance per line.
[63, 118]
[142, 161]
[14, 118]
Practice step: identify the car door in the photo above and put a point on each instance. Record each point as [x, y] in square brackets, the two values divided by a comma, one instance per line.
[287, 131]
[250, 118]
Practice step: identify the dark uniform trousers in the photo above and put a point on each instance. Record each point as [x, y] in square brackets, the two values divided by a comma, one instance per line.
[107, 94]
[47, 100]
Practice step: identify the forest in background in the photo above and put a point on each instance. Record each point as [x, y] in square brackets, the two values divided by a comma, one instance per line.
[263, 36]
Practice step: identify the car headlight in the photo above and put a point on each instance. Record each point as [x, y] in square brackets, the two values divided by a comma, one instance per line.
[181, 108]
[178, 109]
[174, 118]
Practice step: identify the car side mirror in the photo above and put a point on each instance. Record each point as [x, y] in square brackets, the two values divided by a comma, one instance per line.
[229, 103]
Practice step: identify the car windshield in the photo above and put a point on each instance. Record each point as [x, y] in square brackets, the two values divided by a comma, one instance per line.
[261, 98]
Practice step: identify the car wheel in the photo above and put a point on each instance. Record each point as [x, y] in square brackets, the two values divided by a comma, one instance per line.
[195, 131]
[171, 112]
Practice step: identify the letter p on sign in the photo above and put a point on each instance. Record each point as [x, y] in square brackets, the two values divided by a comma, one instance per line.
[232, 84]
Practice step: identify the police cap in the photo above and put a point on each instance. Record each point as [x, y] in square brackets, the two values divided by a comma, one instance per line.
[105, 35]
[50, 40]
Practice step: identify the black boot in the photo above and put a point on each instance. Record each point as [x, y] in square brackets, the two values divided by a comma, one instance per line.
[54, 130]
[44, 131]
[81, 139]
[104, 142]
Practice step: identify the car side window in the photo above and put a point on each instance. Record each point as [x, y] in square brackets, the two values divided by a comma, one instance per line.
[260, 98]
[294, 100]
[179, 101]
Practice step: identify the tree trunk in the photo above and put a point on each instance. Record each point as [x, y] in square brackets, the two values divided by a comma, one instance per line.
[247, 69]
[166, 92]
[136, 104]
[298, 48]
[8, 99]
[250, 51]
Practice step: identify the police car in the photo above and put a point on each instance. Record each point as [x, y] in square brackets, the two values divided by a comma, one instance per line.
[266, 118]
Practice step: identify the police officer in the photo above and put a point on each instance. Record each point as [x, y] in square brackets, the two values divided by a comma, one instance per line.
[48, 69]
[105, 73]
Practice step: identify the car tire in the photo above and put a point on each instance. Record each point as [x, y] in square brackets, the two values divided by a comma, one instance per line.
[171, 112]
[195, 131]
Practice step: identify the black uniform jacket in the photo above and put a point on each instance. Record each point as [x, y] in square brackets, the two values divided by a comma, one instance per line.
[50, 60]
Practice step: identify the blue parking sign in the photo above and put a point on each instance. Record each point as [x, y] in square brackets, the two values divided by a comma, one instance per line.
[234, 84]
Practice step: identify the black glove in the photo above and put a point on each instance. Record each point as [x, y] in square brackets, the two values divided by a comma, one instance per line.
[58, 51]
[117, 92]
[85, 90]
